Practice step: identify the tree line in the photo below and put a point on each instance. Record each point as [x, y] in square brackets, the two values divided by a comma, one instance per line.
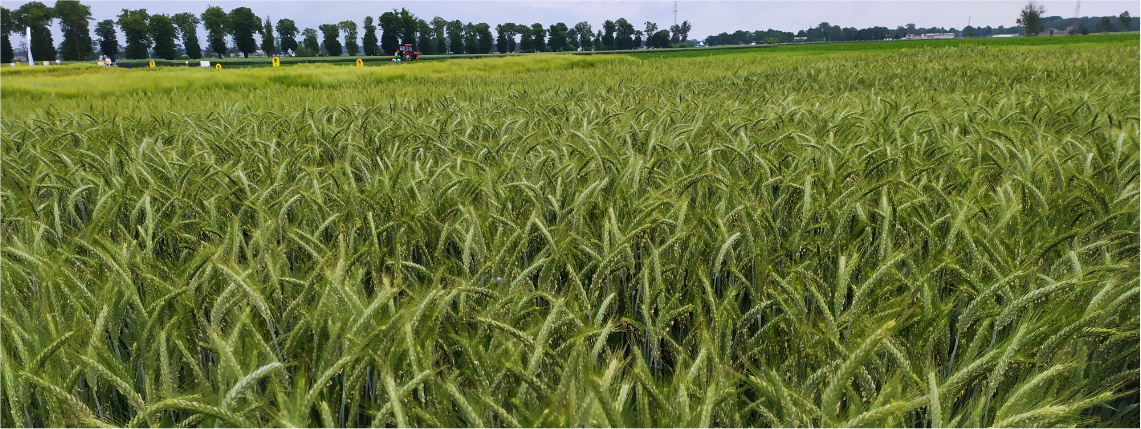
[825, 32]
[241, 32]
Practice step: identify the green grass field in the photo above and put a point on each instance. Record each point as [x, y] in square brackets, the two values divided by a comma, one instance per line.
[1124, 39]
[824, 235]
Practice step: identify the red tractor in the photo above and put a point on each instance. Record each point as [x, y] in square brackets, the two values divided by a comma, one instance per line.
[405, 53]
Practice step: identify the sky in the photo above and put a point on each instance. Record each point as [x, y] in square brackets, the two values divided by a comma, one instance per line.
[708, 17]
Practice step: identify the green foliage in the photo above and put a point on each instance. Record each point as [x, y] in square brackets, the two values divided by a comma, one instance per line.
[471, 39]
[163, 33]
[539, 34]
[217, 25]
[625, 34]
[310, 41]
[242, 25]
[73, 20]
[583, 31]
[607, 39]
[287, 34]
[331, 40]
[389, 32]
[484, 40]
[136, 33]
[7, 25]
[924, 237]
[426, 38]
[409, 25]
[371, 48]
[660, 40]
[350, 29]
[438, 26]
[268, 44]
[526, 40]
[1031, 18]
[455, 37]
[187, 24]
[108, 38]
[37, 16]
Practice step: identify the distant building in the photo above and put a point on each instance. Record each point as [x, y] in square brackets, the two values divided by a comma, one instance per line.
[800, 39]
[1003, 35]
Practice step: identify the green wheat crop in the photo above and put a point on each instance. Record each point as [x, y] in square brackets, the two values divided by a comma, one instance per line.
[915, 237]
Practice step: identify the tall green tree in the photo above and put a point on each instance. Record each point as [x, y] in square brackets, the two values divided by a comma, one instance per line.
[268, 44]
[471, 41]
[409, 25]
[390, 27]
[526, 40]
[136, 33]
[438, 25]
[6, 27]
[584, 35]
[624, 37]
[309, 40]
[661, 39]
[512, 30]
[243, 25]
[350, 29]
[187, 24]
[74, 20]
[287, 34]
[683, 30]
[217, 25]
[37, 16]
[539, 33]
[371, 46]
[608, 29]
[456, 37]
[108, 38]
[486, 41]
[332, 39]
[598, 46]
[425, 44]
[501, 39]
[651, 29]
[1126, 20]
[163, 33]
[557, 39]
[1030, 18]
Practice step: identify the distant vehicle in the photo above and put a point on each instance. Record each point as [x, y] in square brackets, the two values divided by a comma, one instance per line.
[406, 53]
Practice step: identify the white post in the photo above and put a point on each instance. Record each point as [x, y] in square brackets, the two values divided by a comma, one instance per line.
[31, 62]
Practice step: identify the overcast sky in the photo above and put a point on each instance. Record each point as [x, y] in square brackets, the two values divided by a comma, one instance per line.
[708, 17]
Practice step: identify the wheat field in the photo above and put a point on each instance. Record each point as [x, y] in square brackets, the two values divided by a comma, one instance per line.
[913, 237]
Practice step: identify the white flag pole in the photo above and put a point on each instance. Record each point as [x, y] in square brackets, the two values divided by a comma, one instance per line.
[31, 62]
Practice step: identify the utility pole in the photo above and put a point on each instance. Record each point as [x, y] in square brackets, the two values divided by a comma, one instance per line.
[1077, 9]
[675, 12]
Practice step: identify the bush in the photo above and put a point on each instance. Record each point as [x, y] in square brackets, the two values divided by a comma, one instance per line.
[305, 52]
